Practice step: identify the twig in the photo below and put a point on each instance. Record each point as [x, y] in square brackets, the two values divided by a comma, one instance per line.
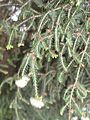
[32, 17]
[79, 69]
[46, 16]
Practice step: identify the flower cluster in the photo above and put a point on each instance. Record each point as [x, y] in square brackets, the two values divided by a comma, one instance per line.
[74, 118]
[15, 13]
[85, 118]
[37, 102]
[23, 28]
[21, 83]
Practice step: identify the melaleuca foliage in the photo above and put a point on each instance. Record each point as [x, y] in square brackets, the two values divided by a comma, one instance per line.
[46, 42]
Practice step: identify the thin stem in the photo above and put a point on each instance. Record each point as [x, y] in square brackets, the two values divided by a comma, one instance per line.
[46, 16]
[63, 65]
[32, 17]
[6, 5]
[79, 69]
[25, 4]
[10, 39]
[68, 25]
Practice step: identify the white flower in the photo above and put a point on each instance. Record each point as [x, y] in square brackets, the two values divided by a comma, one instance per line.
[21, 83]
[15, 15]
[18, 12]
[20, 44]
[36, 102]
[84, 109]
[84, 118]
[89, 111]
[23, 28]
[75, 118]
[13, 8]
[25, 78]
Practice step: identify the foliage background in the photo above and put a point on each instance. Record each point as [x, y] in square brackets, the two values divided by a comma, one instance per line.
[54, 51]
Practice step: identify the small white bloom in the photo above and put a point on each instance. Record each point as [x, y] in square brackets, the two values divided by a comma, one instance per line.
[20, 44]
[84, 109]
[22, 82]
[15, 15]
[13, 8]
[36, 102]
[84, 118]
[23, 28]
[25, 78]
[74, 118]
[18, 12]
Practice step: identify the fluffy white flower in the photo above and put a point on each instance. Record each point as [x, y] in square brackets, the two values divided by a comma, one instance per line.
[23, 28]
[18, 12]
[15, 15]
[36, 102]
[84, 118]
[25, 78]
[12, 8]
[20, 44]
[22, 82]
[74, 118]
[84, 109]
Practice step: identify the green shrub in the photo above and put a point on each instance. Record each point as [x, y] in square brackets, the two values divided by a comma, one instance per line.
[44, 59]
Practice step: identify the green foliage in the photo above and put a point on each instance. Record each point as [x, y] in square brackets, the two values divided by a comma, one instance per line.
[48, 42]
